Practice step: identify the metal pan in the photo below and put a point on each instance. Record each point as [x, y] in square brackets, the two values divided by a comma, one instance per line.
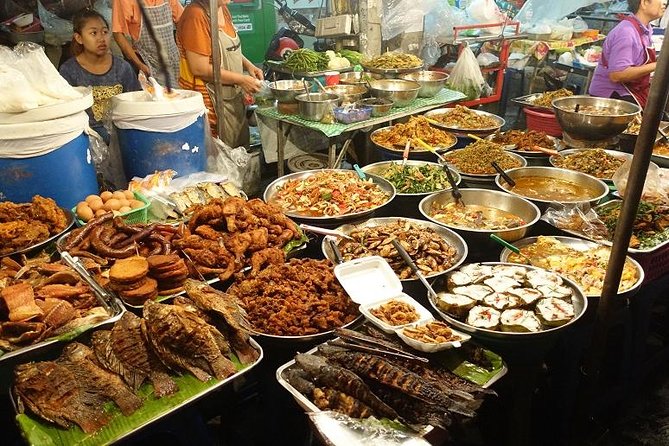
[463, 131]
[622, 155]
[557, 145]
[578, 300]
[416, 150]
[273, 188]
[305, 339]
[484, 177]
[450, 236]
[579, 245]
[69, 222]
[528, 101]
[149, 414]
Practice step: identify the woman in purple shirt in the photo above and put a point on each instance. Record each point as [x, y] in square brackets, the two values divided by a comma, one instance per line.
[628, 58]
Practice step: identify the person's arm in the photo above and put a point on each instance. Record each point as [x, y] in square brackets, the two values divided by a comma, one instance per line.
[120, 17]
[252, 69]
[632, 73]
[201, 67]
[130, 54]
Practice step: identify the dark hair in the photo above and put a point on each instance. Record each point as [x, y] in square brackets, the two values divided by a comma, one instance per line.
[79, 22]
[634, 5]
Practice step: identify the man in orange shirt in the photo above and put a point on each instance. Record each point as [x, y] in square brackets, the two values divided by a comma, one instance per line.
[135, 42]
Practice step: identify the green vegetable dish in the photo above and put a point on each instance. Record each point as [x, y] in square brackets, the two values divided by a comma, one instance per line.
[306, 61]
[416, 179]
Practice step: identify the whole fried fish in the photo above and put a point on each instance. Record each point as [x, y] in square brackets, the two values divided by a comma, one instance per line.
[80, 360]
[183, 341]
[52, 391]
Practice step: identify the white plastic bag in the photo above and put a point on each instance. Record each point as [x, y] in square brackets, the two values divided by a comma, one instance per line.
[487, 59]
[466, 76]
[236, 164]
[15, 91]
[486, 11]
[404, 16]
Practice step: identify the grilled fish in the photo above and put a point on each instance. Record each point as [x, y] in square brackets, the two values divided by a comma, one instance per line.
[102, 346]
[413, 410]
[341, 379]
[52, 391]
[331, 399]
[79, 359]
[189, 305]
[130, 347]
[183, 341]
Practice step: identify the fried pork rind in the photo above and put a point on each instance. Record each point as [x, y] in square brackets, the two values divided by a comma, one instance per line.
[26, 224]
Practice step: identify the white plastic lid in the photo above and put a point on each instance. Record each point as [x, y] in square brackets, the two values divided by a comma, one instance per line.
[369, 279]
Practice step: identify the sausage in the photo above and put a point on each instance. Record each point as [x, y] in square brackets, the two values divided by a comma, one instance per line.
[97, 259]
[155, 248]
[165, 246]
[116, 238]
[107, 251]
[137, 237]
[81, 235]
[120, 225]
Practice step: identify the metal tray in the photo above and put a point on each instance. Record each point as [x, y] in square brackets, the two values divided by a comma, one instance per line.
[578, 300]
[414, 148]
[605, 206]
[528, 101]
[615, 153]
[117, 308]
[271, 190]
[68, 224]
[557, 145]
[460, 131]
[133, 423]
[280, 68]
[305, 339]
[484, 177]
[580, 245]
[447, 234]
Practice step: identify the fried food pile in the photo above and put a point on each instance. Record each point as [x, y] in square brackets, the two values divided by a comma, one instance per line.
[395, 137]
[40, 299]
[301, 297]
[524, 140]
[464, 118]
[477, 158]
[394, 60]
[546, 99]
[25, 224]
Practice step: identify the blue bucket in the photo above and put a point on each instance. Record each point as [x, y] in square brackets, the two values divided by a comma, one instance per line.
[152, 135]
[66, 174]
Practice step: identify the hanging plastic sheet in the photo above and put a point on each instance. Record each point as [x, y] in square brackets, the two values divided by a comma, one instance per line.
[405, 16]
[537, 11]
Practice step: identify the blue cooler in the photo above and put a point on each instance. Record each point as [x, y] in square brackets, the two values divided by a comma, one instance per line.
[160, 135]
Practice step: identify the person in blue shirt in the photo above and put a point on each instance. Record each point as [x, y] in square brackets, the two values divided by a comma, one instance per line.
[94, 66]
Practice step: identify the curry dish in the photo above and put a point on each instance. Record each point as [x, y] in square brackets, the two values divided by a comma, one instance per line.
[552, 189]
[475, 216]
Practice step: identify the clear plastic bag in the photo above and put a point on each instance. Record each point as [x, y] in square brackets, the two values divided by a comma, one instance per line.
[653, 190]
[430, 52]
[15, 90]
[440, 21]
[486, 11]
[404, 16]
[578, 218]
[237, 164]
[466, 76]
[537, 11]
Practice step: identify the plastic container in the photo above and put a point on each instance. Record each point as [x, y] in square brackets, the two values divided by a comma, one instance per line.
[50, 158]
[542, 121]
[139, 215]
[349, 115]
[160, 135]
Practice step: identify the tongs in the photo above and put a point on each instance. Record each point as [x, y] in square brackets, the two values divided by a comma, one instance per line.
[323, 231]
[455, 190]
[335, 251]
[430, 148]
[105, 298]
[354, 340]
[407, 259]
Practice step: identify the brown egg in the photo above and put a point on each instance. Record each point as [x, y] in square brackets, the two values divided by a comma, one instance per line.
[128, 194]
[100, 212]
[136, 204]
[85, 213]
[92, 198]
[125, 209]
[119, 195]
[96, 204]
[106, 195]
[124, 203]
[112, 204]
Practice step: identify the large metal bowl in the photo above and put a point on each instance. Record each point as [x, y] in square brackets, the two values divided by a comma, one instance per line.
[380, 106]
[599, 188]
[580, 245]
[314, 106]
[487, 178]
[431, 82]
[348, 93]
[593, 127]
[358, 78]
[449, 235]
[480, 238]
[578, 300]
[401, 92]
[273, 187]
[390, 73]
[285, 91]
[416, 152]
[463, 131]
[615, 153]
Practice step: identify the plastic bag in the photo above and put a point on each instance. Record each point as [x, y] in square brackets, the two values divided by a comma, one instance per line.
[58, 31]
[487, 59]
[578, 218]
[439, 22]
[431, 52]
[562, 30]
[466, 76]
[486, 11]
[264, 97]
[652, 188]
[237, 164]
[15, 90]
[579, 25]
[404, 16]
[107, 160]
[537, 11]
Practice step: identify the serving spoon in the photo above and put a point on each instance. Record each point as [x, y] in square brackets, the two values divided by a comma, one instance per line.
[512, 248]
[504, 175]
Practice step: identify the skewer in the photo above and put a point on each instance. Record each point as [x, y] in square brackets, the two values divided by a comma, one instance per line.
[193, 265]
[375, 350]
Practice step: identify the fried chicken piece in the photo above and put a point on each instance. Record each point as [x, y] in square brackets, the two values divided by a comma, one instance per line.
[238, 243]
[47, 211]
[206, 231]
[12, 211]
[267, 256]
[20, 234]
[203, 214]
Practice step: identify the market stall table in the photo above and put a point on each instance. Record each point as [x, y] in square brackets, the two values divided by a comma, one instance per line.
[286, 122]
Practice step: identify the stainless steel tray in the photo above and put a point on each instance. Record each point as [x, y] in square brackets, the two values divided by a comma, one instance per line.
[280, 68]
[615, 153]
[557, 145]
[579, 244]
[69, 222]
[484, 177]
[463, 131]
[578, 300]
[272, 189]
[450, 236]
[414, 148]
[52, 435]
[528, 101]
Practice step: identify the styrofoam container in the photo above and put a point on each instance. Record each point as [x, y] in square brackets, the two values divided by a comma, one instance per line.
[371, 282]
[429, 347]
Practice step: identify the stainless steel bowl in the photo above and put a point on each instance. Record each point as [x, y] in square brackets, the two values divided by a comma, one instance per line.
[314, 106]
[483, 177]
[431, 82]
[380, 107]
[274, 186]
[578, 300]
[401, 92]
[448, 235]
[416, 152]
[285, 91]
[480, 238]
[615, 153]
[593, 127]
[348, 93]
[358, 77]
[390, 73]
[380, 167]
[463, 131]
[597, 186]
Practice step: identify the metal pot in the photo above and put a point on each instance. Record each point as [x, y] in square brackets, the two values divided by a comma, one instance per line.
[348, 93]
[285, 91]
[314, 106]
[589, 126]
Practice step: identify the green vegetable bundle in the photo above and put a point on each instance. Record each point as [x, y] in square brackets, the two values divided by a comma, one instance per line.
[305, 60]
[353, 56]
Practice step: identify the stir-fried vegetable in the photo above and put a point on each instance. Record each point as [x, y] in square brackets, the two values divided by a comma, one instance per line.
[416, 179]
[595, 162]
[329, 193]
[305, 61]
[477, 157]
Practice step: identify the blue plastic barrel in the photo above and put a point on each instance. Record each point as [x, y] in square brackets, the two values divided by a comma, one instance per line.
[155, 136]
[65, 173]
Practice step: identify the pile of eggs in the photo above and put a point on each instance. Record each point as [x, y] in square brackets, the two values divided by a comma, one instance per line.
[119, 202]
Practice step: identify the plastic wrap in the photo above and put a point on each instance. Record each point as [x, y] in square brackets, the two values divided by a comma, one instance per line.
[237, 164]
[405, 16]
[107, 160]
[466, 75]
[537, 11]
[653, 190]
[579, 218]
